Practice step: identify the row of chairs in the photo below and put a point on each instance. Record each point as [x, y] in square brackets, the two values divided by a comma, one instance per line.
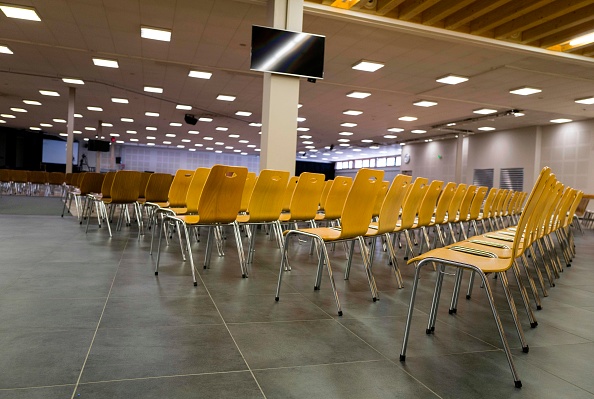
[25, 182]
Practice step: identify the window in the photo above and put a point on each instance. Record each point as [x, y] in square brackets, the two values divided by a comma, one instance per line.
[483, 177]
[512, 179]
[390, 161]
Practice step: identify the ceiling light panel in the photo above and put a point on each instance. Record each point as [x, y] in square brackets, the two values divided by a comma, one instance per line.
[224, 97]
[5, 50]
[484, 111]
[119, 100]
[200, 75]
[243, 113]
[352, 112]
[525, 91]
[358, 94]
[50, 93]
[184, 107]
[153, 114]
[452, 79]
[152, 89]
[163, 35]
[102, 62]
[560, 120]
[587, 100]
[19, 12]
[348, 124]
[73, 81]
[31, 102]
[368, 66]
[486, 128]
[407, 118]
[425, 103]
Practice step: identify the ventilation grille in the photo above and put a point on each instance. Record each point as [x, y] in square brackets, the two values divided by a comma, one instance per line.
[512, 179]
[483, 177]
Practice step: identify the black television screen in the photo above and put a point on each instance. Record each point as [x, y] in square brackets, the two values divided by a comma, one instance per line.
[98, 145]
[288, 53]
[54, 151]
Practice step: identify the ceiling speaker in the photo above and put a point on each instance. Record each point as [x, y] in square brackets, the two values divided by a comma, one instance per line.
[190, 119]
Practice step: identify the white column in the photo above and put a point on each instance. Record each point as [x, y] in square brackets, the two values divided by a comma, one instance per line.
[98, 153]
[459, 157]
[70, 128]
[278, 142]
[112, 164]
[537, 158]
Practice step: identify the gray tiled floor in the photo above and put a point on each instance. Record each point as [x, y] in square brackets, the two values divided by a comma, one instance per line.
[83, 315]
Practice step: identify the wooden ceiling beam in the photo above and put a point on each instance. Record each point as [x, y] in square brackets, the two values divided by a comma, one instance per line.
[566, 35]
[472, 12]
[505, 14]
[411, 9]
[540, 16]
[385, 6]
[442, 10]
[570, 20]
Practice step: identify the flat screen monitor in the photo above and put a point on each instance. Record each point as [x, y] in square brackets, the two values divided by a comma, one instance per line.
[287, 53]
[98, 145]
[54, 151]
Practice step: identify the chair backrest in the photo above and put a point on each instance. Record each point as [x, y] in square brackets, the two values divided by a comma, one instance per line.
[412, 202]
[489, 201]
[571, 213]
[477, 202]
[91, 183]
[56, 178]
[337, 197]
[195, 189]
[107, 183]
[37, 177]
[325, 192]
[80, 178]
[157, 188]
[506, 202]
[179, 188]
[390, 210]
[358, 209]
[428, 203]
[144, 178]
[250, 182]
[456, 202]
[306, 197]
[381, 195]
[221, 197]
[498, 203]
[266, 202]
[464, 210]
[565, 206]
[443, 203]
[19, 176]
[552, 206]
[5, 175]
[68, 179]
[289, 192]
[125, 187]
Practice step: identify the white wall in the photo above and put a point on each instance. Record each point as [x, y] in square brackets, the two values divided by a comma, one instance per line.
[425, 160]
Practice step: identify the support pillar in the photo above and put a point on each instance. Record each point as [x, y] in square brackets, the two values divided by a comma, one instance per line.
[278, 142]
[98, 153]
[70, 129]
[459, 157]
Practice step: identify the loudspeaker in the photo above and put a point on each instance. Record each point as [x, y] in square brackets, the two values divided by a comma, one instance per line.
[190, 119]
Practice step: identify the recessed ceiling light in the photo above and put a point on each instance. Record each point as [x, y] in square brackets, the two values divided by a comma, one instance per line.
[303, 129]
[374, 147]
[236, 150]
[451, 124]
[345, 133]
[120, 141]
[244, 141]
[133, 139]
[301, 119]
[57, 120]
[428, 140]
[367, 141]
[150, 137]
[418, 131]
[150, 143]
[175, 124]
[561, 120]
[106, 124]
[219, 143]
[451, 79]
[389, 136]
[90, 128]
[200, 75]
[151, 89]
[517, 114]
[234, 136]
[186, 141]
[20, 12]
[151, 128]
[18, 109]
[356, 149]
[525, 91]
[307, 142]
[153, 114]
[96, 109]
[587, 100]
[425, 103]
[167, 142]
[170, 135]
[581, 40]
[352, 112]
[243, 113]
[395, 130]
[184, 107]
[163, 35]
[221, 128]
[7, 116]
[198, 145]
[486, 128]
[129, 120]
[348, 124]
[102, 62]
[46, 125]
[343, 140]
[407, 118]
[358, 94]
[73, 81]
[368, 66]
[193, 132]
[5, 50]
[50, 93]
[114, 134]
[31, 102]
[76, 132]
[207, 138]
[192, 149]
[305, 136]
[484, 111]
[299, 105]
[131, 131]
[209, 148]
[224, 97]
[63, 134]
[256, 124]
[34, 128]
[78, 116]
[344, 145]
[119, 100]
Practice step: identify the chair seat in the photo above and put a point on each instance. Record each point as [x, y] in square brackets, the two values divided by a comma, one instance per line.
[325, 233]
[504, 253]
[485, 264]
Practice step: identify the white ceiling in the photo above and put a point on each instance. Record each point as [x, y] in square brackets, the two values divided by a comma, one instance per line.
[214, 36]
